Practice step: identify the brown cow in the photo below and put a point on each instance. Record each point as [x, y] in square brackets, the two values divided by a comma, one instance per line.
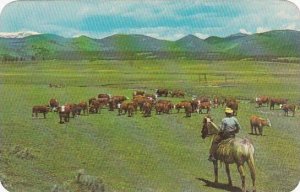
[177, 93]
[288, 107]
[84, 107]
[161, 92]
[204, 105]
[262, 100]
[147, 107]
[95, 106]
[149, 95]
[123, 107]
[131, 107]
[118, 99]
[216, 102]
[104, 95]
[40, 109]
[159, 108]
[188, 109]
[53, 104]
[135, 93]
[64, 113]
[257, 122]
[91, 100]
[277, 101]
[181, 105]
[234, 105]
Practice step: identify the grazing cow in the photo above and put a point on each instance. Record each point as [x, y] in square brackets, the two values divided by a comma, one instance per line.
[64, 113]
[154, 97]
[118, 99]
[258, 123]
[123, 107]
[130, 109]
[135, 93]
[204, 105]
[168, 105]
[103, 101]
[139, 100]
[181, 105]
[177, 93]
[159, 108]
[216, 102]
[84, 107]
[188, 109]
[262, 100]
[104, 95]
[53, 104]
[40, 109]
[233, 104]
[91, 100]
[95, 106]
[161, 92]
[277, 101]
[147, 107]
[288, 107]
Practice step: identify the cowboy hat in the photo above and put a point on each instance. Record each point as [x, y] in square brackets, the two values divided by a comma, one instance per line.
[228, 110]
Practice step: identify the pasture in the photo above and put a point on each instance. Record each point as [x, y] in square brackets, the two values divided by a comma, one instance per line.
[158, 153]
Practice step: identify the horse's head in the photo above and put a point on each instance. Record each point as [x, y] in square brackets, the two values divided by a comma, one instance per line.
[206, 130]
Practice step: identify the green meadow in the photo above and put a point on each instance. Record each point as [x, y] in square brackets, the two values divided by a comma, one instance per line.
[160, 153]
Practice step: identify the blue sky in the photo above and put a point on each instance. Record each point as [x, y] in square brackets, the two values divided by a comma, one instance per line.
[161, 19]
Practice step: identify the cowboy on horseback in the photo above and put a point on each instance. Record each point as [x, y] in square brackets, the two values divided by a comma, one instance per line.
[228, 128]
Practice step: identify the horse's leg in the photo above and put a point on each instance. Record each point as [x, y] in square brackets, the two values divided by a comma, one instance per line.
[216, 170]
[242, 174]
[228, 174]
[252, 172]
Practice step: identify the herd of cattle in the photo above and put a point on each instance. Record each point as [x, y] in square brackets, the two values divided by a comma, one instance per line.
[146, 103]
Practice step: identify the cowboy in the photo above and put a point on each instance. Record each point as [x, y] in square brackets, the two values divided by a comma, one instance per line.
[228, 128]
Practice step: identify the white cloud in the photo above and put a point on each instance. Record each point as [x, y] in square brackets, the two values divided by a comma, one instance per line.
[201, 35]
[262, 29]
[244, 31]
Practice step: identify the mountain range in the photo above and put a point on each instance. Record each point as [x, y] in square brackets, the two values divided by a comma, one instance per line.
[272, 44]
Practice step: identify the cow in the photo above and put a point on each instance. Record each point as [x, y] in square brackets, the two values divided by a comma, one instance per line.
[177, 93]
[257, 122]
[91, 100]
[139, 101]
[188, 109]
[147, 107]
[234, 105]
[40, 109]
[123, 107]
[159, 108]
[84, 107]
[277, 101]
[111, 105]
[95, 106]
[153, 96]
[104, 95]
[161, 92]
[227, 100]
[181, 105]
[103, 101]
[216, 102]
[118, 99]
[288, 107]
[204, 105]
[168, 105]
[194, 104]
[262, 100]
[135, 93]
[64, 113]
[130, 109]
[53, 104]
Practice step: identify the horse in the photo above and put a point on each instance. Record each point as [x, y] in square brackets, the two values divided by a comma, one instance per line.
[232, 150]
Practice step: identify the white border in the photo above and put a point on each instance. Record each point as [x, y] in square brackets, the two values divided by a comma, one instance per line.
[3, 3]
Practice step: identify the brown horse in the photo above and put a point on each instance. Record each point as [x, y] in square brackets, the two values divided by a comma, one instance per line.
[232, 150]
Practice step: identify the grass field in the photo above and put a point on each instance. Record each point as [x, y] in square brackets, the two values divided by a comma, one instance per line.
[159, 153]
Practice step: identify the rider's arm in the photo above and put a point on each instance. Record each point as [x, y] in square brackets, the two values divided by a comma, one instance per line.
[238, 126]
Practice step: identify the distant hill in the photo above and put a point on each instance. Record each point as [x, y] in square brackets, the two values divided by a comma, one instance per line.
[272, 44]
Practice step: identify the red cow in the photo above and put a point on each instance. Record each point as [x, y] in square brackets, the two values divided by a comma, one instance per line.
[262, 100]
[53, 104]
[288, 107]
[40, 109]
[277, 101]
